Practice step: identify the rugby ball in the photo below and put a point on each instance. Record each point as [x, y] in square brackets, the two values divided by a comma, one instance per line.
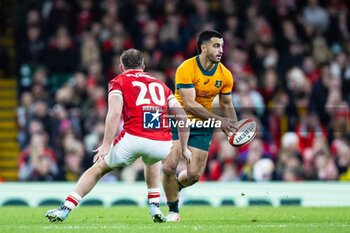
[245, 133]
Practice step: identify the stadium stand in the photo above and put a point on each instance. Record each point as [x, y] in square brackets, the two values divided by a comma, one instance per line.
[8, 96]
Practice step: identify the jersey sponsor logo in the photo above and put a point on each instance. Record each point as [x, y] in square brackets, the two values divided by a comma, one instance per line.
[218, 83]
[206, 81]
[151, 120]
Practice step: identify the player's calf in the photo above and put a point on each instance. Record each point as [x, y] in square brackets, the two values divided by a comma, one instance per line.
[179, 184]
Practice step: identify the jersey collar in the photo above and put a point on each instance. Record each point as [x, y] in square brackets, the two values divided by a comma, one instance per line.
[206, 72]
[133, 71]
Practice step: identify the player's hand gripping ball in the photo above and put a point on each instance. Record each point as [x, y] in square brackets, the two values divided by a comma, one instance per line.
[245, 133]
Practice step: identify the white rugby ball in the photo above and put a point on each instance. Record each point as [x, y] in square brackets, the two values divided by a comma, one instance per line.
[245, 133]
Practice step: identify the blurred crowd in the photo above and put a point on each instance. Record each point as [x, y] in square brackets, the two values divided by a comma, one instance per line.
[290, 60]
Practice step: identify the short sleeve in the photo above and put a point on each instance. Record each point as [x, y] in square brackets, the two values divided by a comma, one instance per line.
[228, 84]
[184, 77]
[168, 93]
[114, 88]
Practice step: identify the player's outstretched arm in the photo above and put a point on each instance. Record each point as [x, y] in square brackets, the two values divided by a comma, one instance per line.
[115, 106]
[175, 109]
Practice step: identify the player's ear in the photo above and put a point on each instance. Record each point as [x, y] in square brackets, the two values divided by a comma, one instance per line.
[143, 67]
[121, 67]
[203, 48]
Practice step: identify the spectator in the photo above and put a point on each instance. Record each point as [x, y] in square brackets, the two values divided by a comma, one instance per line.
[84, 17]
[289, 166]
[74, 158]
[59, 14]
[343, 159]
[289, 56]
[170, 35]
[89, 50]
[79, 88]
[24, 110]
[201, 15]
[33, 49]
[318, 163]
[309, 128]
[95, 137]
[338, 113]
[34, 126]
[229, 173]
[325, 167]
[38, 162]
[247, 99]
[263, 170]
[223, 167]
[40, 87]
[311, 72]
[41, 113]
[319, 94]
[254, 154]
[62, 56]
[321, 53]
[270, 85]
[316, 15]
[292, 47]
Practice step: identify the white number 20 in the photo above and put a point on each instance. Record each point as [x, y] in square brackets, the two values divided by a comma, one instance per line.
[152, 90]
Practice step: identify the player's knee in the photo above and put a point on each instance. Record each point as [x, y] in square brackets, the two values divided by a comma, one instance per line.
[194, 177]
[169, 169]
[98, 171]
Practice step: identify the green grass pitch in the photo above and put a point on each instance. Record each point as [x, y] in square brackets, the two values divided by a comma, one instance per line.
[193, 219]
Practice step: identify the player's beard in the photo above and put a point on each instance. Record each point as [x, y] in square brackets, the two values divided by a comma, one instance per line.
[213, 58]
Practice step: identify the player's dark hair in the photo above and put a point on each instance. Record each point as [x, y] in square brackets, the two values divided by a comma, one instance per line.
[131, 59]
[206, 36]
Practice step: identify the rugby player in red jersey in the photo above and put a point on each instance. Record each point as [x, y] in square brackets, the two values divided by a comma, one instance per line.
[144, 103]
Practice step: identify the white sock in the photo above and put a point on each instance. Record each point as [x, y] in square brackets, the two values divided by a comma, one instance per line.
[72, 200]
[153, 195]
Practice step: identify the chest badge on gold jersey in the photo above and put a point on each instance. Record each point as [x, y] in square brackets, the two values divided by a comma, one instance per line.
[218, 83]
[206, 81]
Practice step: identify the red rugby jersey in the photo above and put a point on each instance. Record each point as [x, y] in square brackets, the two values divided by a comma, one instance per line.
[145, 104]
